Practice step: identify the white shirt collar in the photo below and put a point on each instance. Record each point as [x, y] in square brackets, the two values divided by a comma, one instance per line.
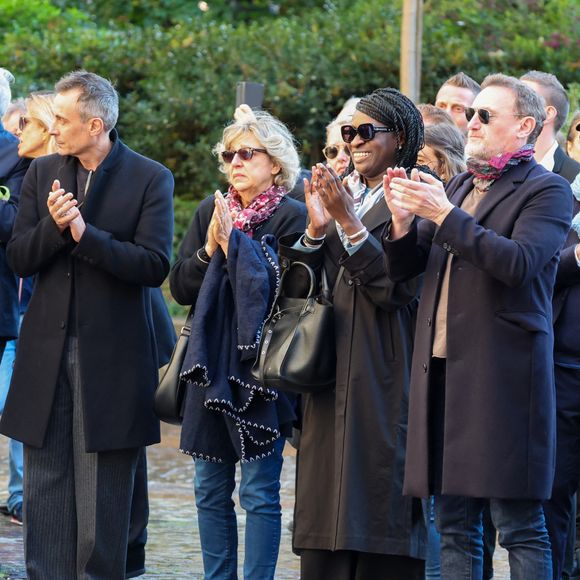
[548, 159]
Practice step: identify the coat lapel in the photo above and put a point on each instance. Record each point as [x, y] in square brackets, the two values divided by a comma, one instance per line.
[502, 188]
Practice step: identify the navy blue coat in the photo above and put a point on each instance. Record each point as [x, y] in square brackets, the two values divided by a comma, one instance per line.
[499, 433]
[123, 253]
[12, 170]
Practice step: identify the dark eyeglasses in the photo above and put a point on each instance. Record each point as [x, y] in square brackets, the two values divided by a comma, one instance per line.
[245, 153]
[332, 151]
[366, 131]
[484, 115]
[22, 122]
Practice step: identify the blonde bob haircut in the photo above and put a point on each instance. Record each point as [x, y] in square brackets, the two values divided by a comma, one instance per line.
[39, 106]
[273, 136]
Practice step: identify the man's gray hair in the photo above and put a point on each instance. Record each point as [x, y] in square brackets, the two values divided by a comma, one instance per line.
[98, 96]
[6, 78]
[527, 102]
[554, 93]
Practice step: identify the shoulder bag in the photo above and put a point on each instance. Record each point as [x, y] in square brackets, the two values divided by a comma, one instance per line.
[297, 350]
[170, 393]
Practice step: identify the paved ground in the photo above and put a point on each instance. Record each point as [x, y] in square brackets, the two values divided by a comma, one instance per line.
[173, 550]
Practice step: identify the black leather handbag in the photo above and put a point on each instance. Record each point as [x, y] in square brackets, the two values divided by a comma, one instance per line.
[297, 350]
[170, 394]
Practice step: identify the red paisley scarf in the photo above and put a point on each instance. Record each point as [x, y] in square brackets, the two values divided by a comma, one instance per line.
[259, 210]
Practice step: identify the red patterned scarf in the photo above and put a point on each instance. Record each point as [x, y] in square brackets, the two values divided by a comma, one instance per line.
[259, 210]
[495, 167]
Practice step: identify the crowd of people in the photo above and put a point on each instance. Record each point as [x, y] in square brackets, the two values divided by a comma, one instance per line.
[449, 236]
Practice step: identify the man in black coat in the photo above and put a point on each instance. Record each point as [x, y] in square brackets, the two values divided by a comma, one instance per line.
[482, 405]
[95, 226]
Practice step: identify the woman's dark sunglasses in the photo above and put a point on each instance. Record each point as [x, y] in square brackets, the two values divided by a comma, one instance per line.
[22, 122]
[332, 151]
[245, 153]
[484, 115]
[366, 131]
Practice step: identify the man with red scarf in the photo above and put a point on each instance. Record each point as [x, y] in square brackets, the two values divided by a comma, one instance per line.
[482, 409]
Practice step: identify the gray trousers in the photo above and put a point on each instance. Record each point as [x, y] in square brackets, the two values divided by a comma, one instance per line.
[76, 504]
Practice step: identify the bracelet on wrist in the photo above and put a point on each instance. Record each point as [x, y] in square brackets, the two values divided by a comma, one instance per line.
[314, 238]
[357, 234]
[312, 242]
[203, 255]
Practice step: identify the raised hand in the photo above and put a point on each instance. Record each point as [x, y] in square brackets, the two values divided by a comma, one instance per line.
[424, 197]
[401, 218]
[318, 216]
[223, 222]
[61, 206]
[337, 199]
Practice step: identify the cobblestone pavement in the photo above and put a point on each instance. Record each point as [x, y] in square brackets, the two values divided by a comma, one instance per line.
[173, 550]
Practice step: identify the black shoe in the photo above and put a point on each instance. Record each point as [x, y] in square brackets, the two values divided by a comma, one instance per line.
[4, 510]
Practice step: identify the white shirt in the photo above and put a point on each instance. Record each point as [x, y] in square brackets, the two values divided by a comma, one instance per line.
[548, 159]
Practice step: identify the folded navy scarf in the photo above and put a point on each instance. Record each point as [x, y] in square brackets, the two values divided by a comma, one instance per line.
[227, 415]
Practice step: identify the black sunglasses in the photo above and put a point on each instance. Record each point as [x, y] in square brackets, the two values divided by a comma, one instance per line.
[366, 131]
[245, 153]
[22, 122]
[484, 115]
[332, 151]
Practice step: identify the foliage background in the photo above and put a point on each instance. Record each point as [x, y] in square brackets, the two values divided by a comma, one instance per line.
[176, 66]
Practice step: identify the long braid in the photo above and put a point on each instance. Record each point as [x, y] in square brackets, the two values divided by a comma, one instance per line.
[393, 109]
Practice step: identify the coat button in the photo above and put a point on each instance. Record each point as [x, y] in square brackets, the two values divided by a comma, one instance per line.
[428, 322]
[68, 274]
[349, 282]
[424, 367]
[445, 245]
[62, 324]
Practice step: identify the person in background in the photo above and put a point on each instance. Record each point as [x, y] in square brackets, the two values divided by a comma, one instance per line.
[227, 267]
[11, 118]
[12, 170]
[573, 138]
[336, 151]
[560, 508]
[455, 95]
[433, 115]
[444, 151]
[33, 131]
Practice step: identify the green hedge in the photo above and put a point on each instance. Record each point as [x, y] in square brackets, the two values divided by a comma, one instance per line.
[178, 82]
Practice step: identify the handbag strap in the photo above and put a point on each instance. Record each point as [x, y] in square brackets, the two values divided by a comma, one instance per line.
[186, 328]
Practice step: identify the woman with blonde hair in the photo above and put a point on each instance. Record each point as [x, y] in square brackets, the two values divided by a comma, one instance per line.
[34, 127]
[226, 267]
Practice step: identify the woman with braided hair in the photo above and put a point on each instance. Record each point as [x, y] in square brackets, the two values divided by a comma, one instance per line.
[351, 520]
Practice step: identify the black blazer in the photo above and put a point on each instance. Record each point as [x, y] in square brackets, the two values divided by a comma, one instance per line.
[565, 166]
[124, 251]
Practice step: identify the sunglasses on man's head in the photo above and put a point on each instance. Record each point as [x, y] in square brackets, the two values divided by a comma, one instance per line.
[22, 122]
[332, 151]
[484, 115]
[245, 153]
[366, 131]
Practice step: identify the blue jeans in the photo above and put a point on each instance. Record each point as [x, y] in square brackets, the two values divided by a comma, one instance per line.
[522, 532]
[433, 559]
[15, 452]
[259, 497]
